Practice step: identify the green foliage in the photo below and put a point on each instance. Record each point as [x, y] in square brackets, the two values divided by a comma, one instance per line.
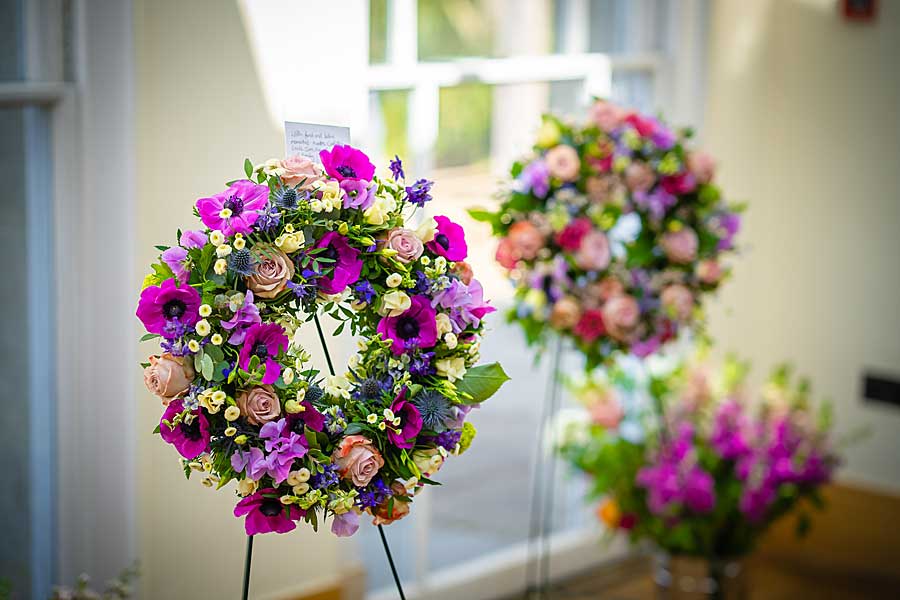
[482, 382]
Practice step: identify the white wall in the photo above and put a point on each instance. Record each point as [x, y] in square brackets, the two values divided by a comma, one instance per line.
[803, 111]
[201, 110]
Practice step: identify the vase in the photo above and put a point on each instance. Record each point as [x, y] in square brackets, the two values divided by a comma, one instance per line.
[681, 577]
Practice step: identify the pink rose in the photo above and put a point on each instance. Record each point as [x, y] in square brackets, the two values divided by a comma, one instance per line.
[407, 244]
[678, 302]
[273, 271]
[607, 115]
[168, 376]
[563, 162]
[565, 313]
[680, 246]
[639, 177]
[525, 240]
[358, 460]
[605, 411]
[593, 254]
[259, 404]
[621, 315]
[709, 271]
[702, 166]
[300, 171]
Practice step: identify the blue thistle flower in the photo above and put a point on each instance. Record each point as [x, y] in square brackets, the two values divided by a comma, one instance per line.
[241, 262]
[434, 408]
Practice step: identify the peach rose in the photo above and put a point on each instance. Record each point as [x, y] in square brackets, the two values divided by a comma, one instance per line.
[709, 271]
[563, 162]
[357, 459]
[259, 404]
[621, 315]
[300, 171]
[605, 411]
[565, 313]
[463, 270]
[680, 246]
[168, 376]
[593, 253]
[406, 243]
[273, 271]
[678, 302]
[391, 509]
[639, 177]
[505, 254]
[702, 166]
[607, 115]
[526, 240]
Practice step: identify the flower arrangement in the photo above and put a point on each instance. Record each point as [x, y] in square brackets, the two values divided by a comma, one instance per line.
[612, 232]
[291, 241]
[680, 459]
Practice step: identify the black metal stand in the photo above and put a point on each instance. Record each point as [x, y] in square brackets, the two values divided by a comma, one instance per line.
[247, 561]
[384, 542]
[542, 496]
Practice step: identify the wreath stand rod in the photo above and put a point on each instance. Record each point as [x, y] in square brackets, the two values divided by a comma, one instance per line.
[541, 521]
[384, 542]
[247, 561]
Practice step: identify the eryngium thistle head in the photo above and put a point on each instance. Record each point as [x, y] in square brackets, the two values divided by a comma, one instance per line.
[434, 408]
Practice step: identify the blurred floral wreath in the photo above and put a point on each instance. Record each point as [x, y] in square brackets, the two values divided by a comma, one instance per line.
[286, 243]
[612, 232]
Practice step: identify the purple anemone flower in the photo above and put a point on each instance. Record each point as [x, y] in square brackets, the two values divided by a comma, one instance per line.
[346, 162]
[244, 317]
[414, 328]
[266, 514]
[358, 193]
[410, 422]
[176, 259]
[190, 439]
[162, 305]
[449, 240]
[265, 341]
[244, 199]
[347, 264]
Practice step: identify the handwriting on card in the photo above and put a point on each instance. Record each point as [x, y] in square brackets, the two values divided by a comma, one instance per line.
[307, 139]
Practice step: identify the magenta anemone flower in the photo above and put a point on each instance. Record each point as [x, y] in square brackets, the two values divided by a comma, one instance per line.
[266, 341]
[190, 439]
[161, 306]
[358, 193]
[308, 417]
[403, 436]
[347, 264]
[414, 328]
[266, 514]
[346, 162]
[449, 240]
[244, 199]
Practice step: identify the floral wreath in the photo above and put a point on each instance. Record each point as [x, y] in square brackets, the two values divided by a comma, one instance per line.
[612, 232]
[290, 241]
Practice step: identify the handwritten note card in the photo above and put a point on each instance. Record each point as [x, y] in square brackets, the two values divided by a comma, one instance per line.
[307, 139]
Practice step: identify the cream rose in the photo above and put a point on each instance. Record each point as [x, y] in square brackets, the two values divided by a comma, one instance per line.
[451, 368]
[273, 272]
[680, 246]
[395, 303]
[168, 376]
[563, 162]
[259, 404]
[381, 208]
[621, 315]
[405, 243]
[300, 171]
[428, 461]
[357, 459]
[678, 302]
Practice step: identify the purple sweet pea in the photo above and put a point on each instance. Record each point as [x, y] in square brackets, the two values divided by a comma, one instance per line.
[730, 224]
[176, 259]
[266, 514]
[346, 266]
[465, 302]
[265, 341]
[535, 178]
[190, 439]
[244, 317]
[358, 193]
[656, 202]
[410, 422]
[449, 240]
[345, 524]
[193, 239]
[161, 306]
[346, 162]
[416, 327]
[243, 198]
[283, 446]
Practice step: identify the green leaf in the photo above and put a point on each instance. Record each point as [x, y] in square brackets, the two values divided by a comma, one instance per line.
[482, 382]
[207, 367]
[483, 215]
[248, 168]
[214, 352]
[149, 336]
[219, 374]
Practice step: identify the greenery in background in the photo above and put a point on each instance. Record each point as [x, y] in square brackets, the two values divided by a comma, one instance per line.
[447, 29]
[116, 589]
